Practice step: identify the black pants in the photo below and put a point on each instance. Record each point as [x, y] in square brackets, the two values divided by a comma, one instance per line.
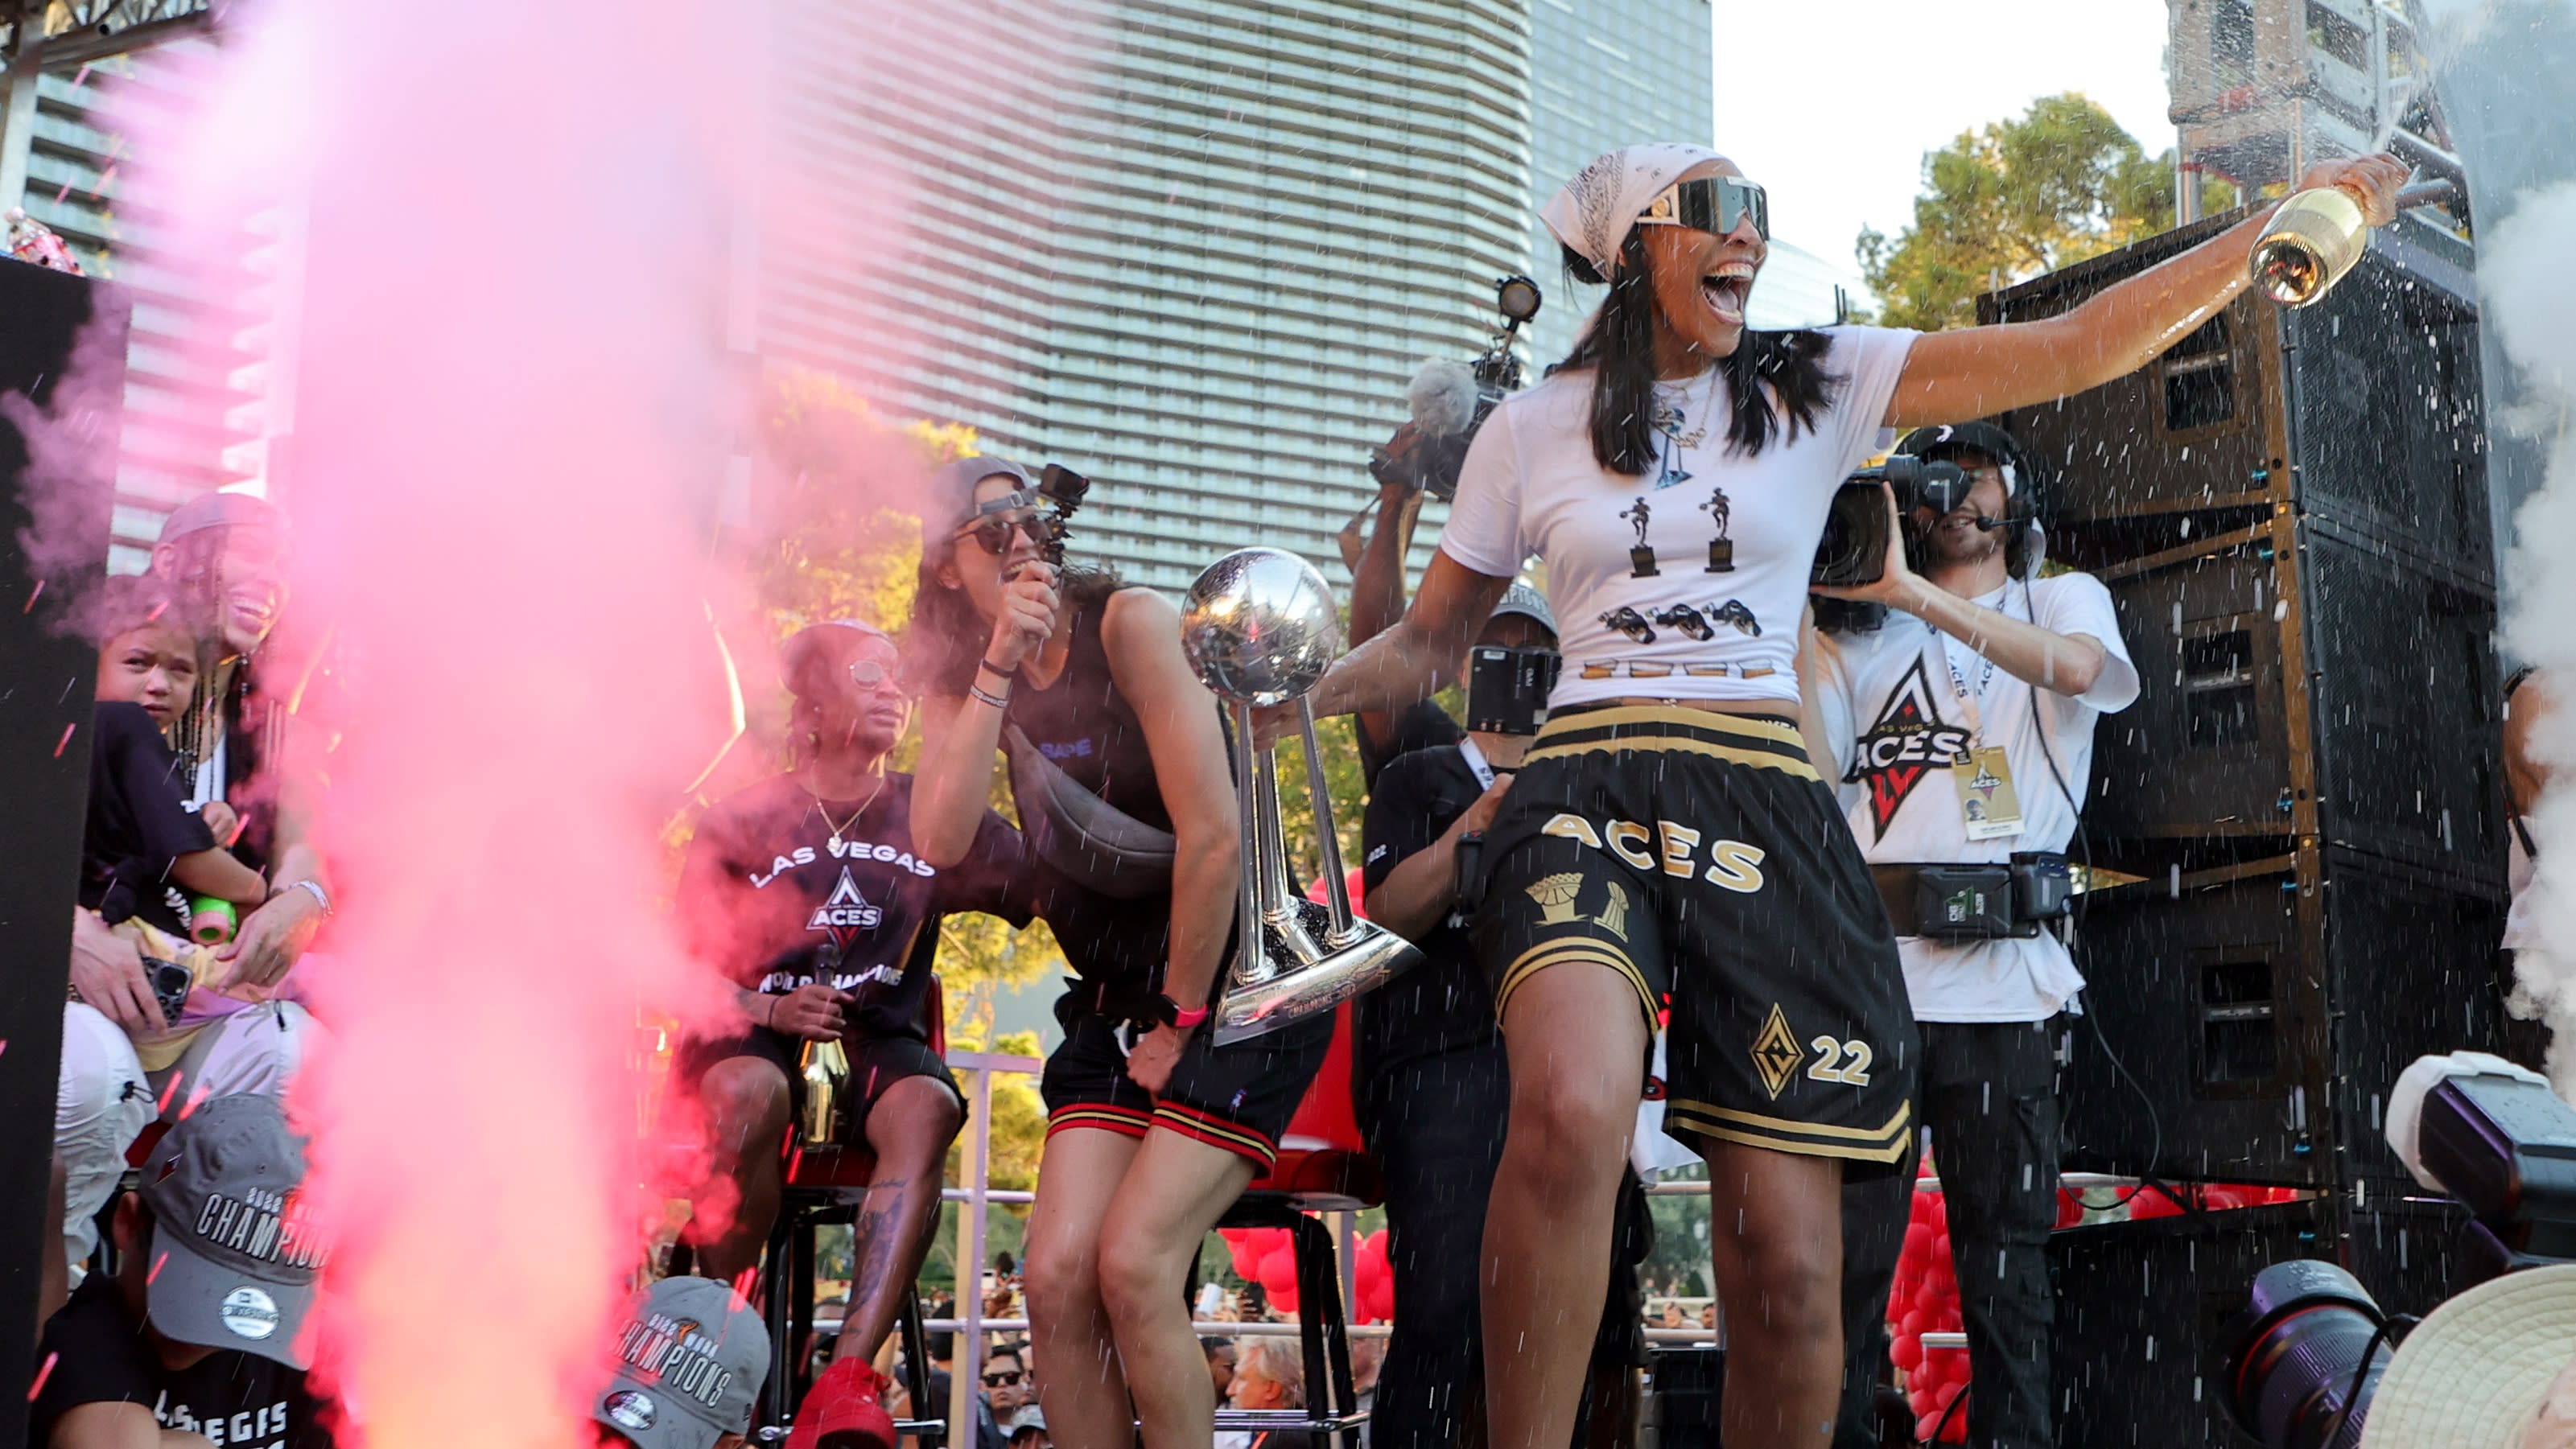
[1435, 1125]
[1989, 1099]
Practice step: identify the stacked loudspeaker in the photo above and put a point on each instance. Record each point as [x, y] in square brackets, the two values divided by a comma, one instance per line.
[2290, 511]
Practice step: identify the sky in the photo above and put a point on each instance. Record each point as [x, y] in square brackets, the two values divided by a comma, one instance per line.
[1831, 104]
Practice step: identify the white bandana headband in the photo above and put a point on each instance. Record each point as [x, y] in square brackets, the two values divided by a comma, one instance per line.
[1593, 213]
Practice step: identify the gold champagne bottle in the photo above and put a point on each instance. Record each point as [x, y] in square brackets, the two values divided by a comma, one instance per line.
[826, 1069]
[2312, 243]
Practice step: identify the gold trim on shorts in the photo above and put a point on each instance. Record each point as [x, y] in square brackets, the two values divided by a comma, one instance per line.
[1566, 949]
[1780, 1134]
[1759, 742]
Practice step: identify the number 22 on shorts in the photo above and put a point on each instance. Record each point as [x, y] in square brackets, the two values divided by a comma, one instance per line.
[1840, 1061]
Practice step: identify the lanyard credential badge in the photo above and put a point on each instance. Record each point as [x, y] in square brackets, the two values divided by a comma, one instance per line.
[1987, 802]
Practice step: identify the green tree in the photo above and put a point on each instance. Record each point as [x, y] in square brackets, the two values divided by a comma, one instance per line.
[2059, 183]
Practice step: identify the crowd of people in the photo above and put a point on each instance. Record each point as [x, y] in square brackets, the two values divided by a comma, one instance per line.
[1715, 873]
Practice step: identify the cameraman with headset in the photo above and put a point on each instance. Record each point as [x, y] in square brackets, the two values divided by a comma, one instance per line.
[1965, 721]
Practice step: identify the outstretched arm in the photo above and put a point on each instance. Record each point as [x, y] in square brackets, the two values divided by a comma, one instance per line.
[1976, 372]
[1413, 659]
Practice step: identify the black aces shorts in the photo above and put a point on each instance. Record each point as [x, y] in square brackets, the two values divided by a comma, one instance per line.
[1238, 1097]
[1700, 856]
[876, 1063]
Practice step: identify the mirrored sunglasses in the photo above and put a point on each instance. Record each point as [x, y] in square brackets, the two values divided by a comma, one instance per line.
[993, 535]
[869, 674]
[1713, 204]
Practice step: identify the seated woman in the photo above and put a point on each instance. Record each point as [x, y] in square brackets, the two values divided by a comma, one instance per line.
[1152, 1130]
[804, 891]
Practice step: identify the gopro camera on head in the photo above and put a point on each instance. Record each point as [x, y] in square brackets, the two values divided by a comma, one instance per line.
[1507, 689]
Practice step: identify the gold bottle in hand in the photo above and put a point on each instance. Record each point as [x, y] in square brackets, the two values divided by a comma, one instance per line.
[826, 1069]
[2312, 243]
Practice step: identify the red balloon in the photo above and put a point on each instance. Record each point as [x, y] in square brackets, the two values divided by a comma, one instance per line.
[1941, 1246]
[1906, 1352]
[1913, 1324]
[1920, 1401]
[1279, 1272]
[1957, 1367]
[1948, 1391]
[1918, 1243]
[1957, 1433]
[2070, 1209]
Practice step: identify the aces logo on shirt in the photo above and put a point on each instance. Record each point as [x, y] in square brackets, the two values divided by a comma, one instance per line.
[844, 913]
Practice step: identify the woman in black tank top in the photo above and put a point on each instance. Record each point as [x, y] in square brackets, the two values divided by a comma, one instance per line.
[1092, 678]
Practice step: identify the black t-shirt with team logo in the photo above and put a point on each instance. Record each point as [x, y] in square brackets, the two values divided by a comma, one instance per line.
[95, 1352]
[777, 895]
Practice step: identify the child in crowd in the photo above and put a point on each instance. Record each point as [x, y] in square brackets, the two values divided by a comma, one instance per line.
[144, 852]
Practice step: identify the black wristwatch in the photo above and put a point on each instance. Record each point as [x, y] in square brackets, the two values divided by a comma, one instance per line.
[1169, 1013]
[1469, 881]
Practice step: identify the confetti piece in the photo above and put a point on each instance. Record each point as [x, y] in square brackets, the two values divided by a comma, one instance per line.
[164, 1104]
[42, 1374]
[80, 75]
[65, 742]
[59, 195]
[33, 597]
[156, 1269]
[196, 1099]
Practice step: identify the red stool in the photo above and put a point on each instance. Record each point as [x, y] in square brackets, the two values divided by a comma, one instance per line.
[1323, 1167]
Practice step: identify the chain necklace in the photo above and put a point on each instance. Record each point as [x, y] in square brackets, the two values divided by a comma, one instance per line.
[838, 830]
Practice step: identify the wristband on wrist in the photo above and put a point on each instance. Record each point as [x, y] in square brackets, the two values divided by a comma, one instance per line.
[997, 671]
[1173, 1015]
[985, 696]
[314, 887]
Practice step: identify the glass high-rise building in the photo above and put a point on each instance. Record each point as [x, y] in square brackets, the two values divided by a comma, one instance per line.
[1195, 250]
[1605, 73]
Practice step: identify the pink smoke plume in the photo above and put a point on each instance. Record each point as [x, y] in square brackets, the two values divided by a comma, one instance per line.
[508, 430]
[515, 253]
[513, 228]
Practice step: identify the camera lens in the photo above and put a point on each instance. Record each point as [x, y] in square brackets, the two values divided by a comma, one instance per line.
[2296, 1354]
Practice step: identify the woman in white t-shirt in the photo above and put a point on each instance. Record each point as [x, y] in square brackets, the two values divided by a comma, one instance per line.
[1667, 837]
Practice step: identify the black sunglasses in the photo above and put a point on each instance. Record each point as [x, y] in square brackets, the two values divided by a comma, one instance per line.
[1713, 204]
[993, 535]
[1008, 1378]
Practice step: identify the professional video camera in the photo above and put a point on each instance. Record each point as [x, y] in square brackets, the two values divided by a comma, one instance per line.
[1854, 549]
[2302, 1364]
[1450, 400]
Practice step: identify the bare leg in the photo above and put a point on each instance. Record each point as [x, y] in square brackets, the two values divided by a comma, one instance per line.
[746, 1106]
[1578, 1046]
[909, 1128]
[1172, 1195]
[1084, 1393]
[1775, 1229]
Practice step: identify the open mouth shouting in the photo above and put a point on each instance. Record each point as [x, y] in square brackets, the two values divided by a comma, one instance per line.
[1725, 287]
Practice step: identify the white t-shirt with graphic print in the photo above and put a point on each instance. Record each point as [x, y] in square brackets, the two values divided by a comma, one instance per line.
[1670, 626]
[1903, 707]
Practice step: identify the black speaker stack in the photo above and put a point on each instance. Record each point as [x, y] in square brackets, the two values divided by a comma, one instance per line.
[2303, 811]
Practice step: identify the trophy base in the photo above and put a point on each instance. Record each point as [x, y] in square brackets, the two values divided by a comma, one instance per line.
[1721, 556]
[1641, 563]
[1372, 957]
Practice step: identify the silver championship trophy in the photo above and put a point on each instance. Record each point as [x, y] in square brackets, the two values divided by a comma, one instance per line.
[1259, 628]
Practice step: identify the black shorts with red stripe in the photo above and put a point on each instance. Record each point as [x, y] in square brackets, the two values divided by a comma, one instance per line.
[1236, 1097]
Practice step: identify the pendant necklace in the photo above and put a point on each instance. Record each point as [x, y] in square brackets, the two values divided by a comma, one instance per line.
[837, 830]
